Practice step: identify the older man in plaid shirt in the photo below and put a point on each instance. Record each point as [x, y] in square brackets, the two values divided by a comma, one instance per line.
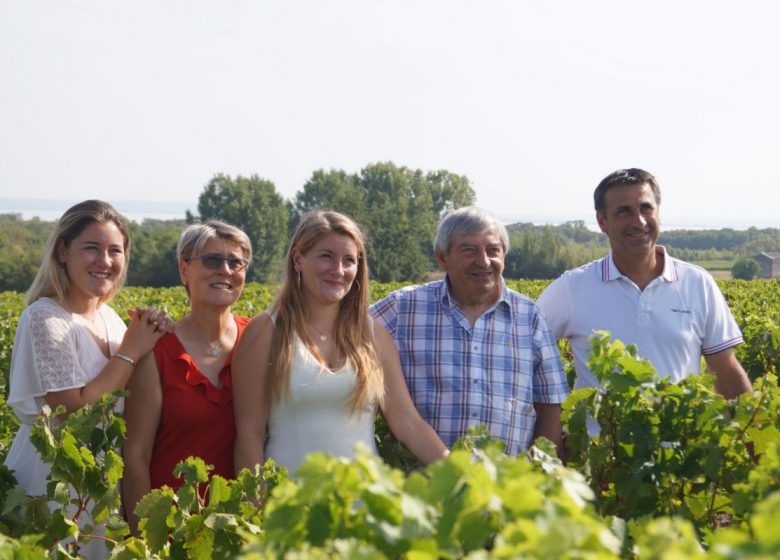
[472, 350]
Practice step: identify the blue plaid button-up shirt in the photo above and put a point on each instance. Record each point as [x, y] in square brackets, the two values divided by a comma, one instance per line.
[461, 375]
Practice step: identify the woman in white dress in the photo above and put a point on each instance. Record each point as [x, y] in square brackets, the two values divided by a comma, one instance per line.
[313, 369]
[70, 347]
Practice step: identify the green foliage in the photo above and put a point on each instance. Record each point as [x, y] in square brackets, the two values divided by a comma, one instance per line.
[662, 448]
[21, 247]
[253, 205]
[691, 474]
[745, 269]
[153, 253]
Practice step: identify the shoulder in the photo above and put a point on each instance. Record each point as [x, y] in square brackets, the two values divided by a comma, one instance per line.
[46, 313]
[258, 327]
[588, 274]
[589, 271]
[686, 270]
[416, 292]
[517, 300]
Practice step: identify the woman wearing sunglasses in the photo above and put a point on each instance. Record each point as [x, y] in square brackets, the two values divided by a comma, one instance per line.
[314, 369]
[180, 401]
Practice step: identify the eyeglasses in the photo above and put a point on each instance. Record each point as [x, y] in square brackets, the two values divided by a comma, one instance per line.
[212, 261]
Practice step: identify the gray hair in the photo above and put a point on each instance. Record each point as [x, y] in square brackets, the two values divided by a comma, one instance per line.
[470, 220]
[195, 236]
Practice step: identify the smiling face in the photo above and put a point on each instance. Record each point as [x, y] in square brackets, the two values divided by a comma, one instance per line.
[474, 264]
[631, 221]
[94, 261]
[218, 287]
[327, 269]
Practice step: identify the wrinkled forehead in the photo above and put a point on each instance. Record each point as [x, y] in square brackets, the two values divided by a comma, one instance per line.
[486, 238]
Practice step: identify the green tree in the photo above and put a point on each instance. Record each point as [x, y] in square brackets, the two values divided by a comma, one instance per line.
[21, 249]
[153, 253]
[398, 207]
[745, 269]
[253, 205]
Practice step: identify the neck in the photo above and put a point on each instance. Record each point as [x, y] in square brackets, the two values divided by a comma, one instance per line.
[643, 269]
[210, 323]
[83, 306]
[474, 307]
[324, 317]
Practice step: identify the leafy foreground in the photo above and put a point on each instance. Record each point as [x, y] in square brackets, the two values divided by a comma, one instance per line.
[675, 472]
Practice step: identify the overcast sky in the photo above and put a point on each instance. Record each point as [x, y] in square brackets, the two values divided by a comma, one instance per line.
[535, 101]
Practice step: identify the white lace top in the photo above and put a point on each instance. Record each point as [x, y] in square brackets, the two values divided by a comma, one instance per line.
[317, 414]
[54, 350]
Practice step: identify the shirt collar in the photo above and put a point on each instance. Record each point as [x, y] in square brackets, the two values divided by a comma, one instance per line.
[446, 297]
[610, 272]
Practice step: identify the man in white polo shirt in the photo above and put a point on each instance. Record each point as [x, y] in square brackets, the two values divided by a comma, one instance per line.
[672, 310]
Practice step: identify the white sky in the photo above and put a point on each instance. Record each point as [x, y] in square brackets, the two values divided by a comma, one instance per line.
[535, 101]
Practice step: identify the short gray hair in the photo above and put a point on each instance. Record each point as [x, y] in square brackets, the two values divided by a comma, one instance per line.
[470, 220]
[195, 236]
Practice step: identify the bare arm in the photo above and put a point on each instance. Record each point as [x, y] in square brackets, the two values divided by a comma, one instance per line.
[548, 424]
[730, 378]
[402, 417]
[139, 339]
[142, 414]
[250, 400]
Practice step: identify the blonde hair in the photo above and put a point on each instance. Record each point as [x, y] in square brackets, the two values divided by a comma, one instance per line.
[52, 277]
[195, 236]
[353, 332]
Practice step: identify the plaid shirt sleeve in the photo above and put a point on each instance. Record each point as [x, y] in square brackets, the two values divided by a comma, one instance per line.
[550, 385]
[385, 312]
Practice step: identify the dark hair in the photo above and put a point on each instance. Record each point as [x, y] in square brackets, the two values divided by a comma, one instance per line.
[621, 178]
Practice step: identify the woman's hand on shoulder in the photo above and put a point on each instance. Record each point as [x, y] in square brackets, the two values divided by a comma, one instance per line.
[147, 325]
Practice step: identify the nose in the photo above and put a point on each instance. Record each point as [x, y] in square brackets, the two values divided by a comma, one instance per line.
[482, 258]
[105, 257]
[224, 267]
[338, 267]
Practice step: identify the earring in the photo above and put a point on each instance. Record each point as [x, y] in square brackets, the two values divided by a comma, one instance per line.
[300, 274]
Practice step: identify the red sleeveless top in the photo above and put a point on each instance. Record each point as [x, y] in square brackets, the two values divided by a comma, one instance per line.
[196, 418]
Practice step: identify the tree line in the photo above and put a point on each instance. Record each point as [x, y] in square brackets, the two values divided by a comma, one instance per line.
[399, 208]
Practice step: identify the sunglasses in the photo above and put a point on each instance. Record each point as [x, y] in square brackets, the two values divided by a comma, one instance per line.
[213, 261]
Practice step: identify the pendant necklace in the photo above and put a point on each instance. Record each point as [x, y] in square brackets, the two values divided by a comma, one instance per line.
[214, 348]
[323, 337]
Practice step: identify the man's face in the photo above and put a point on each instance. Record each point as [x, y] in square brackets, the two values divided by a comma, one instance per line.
[631, 220]
[474, 264]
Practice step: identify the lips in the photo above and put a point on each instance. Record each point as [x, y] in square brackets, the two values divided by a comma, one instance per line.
[100, 275]
[221, 286]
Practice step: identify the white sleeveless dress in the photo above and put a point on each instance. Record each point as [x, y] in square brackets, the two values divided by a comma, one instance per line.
[316, 414]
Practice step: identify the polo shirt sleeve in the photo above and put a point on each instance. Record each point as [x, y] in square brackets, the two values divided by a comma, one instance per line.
[385, 312]
[550, 385]
[555, 304]
[721, 331]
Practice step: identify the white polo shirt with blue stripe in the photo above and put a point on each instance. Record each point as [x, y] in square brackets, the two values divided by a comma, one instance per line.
[680, 316]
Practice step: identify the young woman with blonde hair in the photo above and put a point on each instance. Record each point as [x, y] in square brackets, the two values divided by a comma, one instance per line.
[312, 371]
[70, 347]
